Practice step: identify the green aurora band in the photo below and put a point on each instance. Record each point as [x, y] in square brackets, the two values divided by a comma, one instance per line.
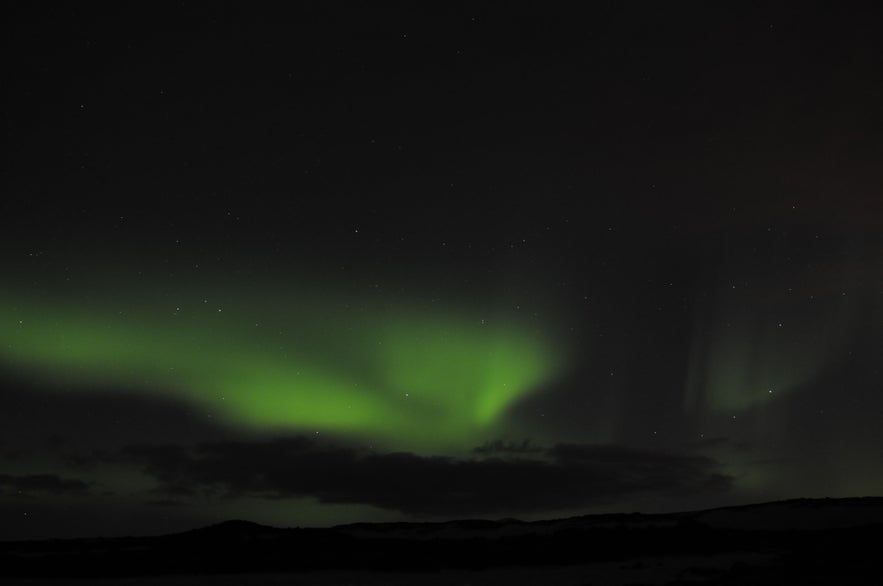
[406, 375]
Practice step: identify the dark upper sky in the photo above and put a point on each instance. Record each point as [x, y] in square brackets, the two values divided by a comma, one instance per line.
[339, 262]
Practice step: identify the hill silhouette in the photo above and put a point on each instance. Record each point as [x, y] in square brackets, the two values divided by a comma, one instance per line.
[813, 541]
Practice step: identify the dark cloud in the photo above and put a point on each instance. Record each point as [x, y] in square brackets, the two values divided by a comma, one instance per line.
[13, 455]
[709, 442]
[83, 418]
[41, 483]
[501, 447]
[557, 478]
[163, 503]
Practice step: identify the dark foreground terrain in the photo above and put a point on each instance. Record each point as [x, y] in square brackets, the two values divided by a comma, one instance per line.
[828, 541]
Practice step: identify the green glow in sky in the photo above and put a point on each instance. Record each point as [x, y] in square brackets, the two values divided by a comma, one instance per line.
[746, 354]
[396, 372]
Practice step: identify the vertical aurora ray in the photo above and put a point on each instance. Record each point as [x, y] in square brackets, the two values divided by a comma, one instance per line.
[752, 348]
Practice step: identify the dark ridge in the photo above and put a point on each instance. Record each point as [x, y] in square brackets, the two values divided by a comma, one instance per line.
[794, 541]
[232, 528]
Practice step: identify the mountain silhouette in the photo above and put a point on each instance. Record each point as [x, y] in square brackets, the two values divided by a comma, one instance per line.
[813, 541]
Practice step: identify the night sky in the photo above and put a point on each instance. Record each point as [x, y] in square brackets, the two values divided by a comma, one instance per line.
[347, 262]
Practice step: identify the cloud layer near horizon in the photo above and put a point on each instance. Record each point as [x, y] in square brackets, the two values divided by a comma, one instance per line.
[556, 478]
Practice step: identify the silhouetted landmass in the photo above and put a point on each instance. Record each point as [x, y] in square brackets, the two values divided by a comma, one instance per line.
[825, 541]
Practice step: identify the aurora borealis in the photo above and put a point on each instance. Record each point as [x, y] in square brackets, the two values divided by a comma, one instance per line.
[336, 263]
[398, 374]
